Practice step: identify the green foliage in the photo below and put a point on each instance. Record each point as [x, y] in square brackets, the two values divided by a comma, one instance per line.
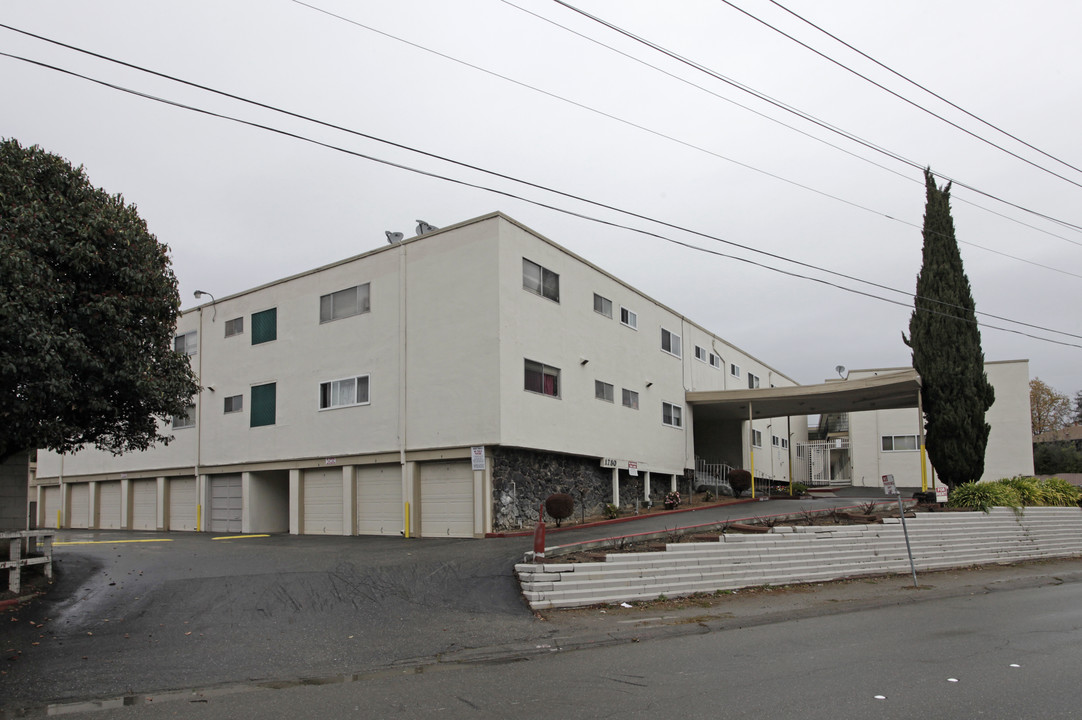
[88, 306]
[1049, 410]
[983, 496]
[1015, 492]
[559, 506]
[799, 488]
[1056, 457]
[611, 511]
[947, 352]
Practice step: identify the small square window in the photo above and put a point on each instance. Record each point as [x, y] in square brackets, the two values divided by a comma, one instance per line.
[629, 318]
[187, 343]
[630, 399]
[672, 415]
[753, 381]
[756, 438]
[603, 391]
[185, 420]
[602, 305]
[734, 370]
[700, 353]
[715, 361]
[234, 403]
[540, 280]
[265, 326]
[542, 379]
[775, 441]
[234, 327]
[899, 443]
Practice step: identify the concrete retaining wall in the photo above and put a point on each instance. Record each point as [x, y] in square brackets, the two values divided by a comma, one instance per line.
[808, 554]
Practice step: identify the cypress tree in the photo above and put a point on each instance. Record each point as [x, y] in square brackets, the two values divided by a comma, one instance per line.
[946, 344]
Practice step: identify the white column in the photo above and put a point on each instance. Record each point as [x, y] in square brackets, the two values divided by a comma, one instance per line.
[349, 499]
[93, 491]
[246, 502]
[646, 486]
[616, 487]
[296, 497]
[161, 522]
[125, 504]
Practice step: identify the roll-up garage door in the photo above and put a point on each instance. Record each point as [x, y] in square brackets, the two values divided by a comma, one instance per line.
[144, 498]
[51, 500]
[225, 504]
[80, 505]
[323, 502]
[109, 516]
[182, 504]
[380, 510]
[446, 499]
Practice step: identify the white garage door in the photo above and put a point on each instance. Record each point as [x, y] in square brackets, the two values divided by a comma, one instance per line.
[225, 504]
[80, 505]
[380, 510]
[50, 498]
[144, 499]
[181, 504]
[446, 500]
[109, 515]
[323, 502]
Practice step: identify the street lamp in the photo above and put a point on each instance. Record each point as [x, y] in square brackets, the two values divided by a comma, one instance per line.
[213, 306]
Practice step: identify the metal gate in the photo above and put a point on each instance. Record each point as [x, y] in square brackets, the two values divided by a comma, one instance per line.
[823, 463]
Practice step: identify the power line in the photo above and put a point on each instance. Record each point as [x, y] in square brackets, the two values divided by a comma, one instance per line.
[807, 116]
[898, 95]
[564, 211]
[925, 89]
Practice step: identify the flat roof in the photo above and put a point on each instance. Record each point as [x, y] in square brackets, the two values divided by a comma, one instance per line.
[879, 392]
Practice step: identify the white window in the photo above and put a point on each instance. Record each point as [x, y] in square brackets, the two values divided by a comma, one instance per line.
[670, 342]
[734, 370]
[700, 353]
[603, 391]
[185, 419]
[775, 441]
[630, 399]
[542, 379]
[541, 281]
[672, 415]
[899, 443]
[629, 318]
[234, 327]
[784, 443]
[344, 303]
[234, 403]
[186, 343]
[602, 305]
[715, 361]
[343, 393]
[756, 439]
[753, 381]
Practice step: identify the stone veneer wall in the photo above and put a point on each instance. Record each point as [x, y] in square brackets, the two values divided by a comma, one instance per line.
[14, 478]
[522, 479]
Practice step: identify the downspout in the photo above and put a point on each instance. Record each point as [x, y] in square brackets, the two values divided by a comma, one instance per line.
[199, 421]
[751, 447]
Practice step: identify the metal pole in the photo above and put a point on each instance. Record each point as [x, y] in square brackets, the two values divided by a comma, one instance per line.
[905, 531]
[751, 449]
[920, 431]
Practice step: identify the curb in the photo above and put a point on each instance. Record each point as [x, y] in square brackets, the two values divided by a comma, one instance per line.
[617, 521]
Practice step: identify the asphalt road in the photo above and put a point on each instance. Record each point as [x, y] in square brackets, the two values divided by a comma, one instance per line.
[1004, 649]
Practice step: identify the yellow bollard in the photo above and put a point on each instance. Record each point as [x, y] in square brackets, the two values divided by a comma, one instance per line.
[407, 532]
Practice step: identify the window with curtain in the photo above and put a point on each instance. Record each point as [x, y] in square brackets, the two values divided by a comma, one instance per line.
[345, 392]
[541, 378]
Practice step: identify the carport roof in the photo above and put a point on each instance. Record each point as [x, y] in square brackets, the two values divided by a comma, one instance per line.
[877, 392]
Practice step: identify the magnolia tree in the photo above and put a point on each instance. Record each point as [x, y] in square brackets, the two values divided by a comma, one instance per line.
[88, 306]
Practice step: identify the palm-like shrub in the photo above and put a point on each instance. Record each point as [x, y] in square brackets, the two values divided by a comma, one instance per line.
[559, 506]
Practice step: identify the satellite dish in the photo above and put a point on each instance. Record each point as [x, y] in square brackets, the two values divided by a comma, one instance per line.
[840, 369]
[393, 237]
[423, 227]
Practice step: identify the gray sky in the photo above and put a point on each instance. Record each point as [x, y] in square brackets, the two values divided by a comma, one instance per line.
[240, 206]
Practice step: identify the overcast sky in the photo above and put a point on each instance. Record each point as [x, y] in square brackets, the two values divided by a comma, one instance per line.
[533, 90]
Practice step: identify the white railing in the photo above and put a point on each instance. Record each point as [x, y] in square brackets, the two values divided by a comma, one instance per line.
[825, 462]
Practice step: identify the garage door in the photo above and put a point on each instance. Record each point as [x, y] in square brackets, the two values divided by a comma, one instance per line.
[181, 504]
[109, 516]
[380, 510]
[80, 505]
[144, 504]
[225, 504]
[447, 500]
[323, 502]
[50, 498]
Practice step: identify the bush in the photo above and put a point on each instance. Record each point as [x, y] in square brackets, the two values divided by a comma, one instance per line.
[799, 488]
[983, 496]
[739, 481]
[1055, 491]
[559, 506]
[1028, 489]
[611, 511]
